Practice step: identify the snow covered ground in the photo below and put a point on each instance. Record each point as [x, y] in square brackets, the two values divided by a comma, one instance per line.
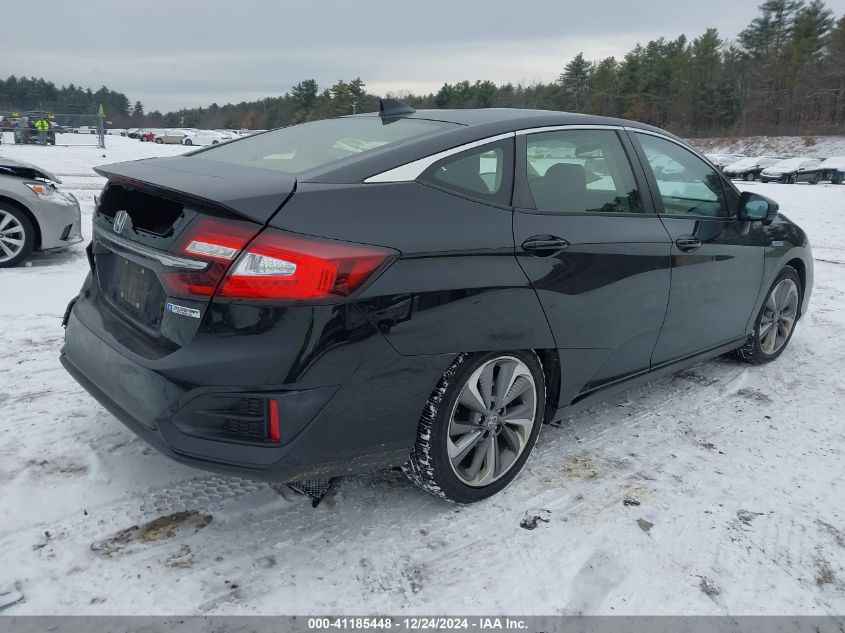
[733, 475]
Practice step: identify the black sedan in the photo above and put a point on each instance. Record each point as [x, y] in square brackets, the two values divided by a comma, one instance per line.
[791, 171]
[830, 169]
[424, 289]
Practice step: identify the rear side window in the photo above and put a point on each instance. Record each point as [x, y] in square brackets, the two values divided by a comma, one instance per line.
[581, 171]
[306, 146]
[484, 172]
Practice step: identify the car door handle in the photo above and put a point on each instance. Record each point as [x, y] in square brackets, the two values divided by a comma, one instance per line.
[688, 243]
[544, 244]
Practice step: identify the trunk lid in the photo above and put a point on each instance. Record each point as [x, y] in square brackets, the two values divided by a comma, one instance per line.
[148, 212]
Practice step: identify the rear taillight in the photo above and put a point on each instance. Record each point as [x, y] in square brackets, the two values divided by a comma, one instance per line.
[274, 266]
[215, 241]
[287, 267]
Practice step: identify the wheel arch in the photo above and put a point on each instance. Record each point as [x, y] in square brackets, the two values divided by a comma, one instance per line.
[798, 264]
[550, 361]
[36, 241]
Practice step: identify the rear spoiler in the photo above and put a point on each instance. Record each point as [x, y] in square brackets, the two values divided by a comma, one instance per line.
[250, 192]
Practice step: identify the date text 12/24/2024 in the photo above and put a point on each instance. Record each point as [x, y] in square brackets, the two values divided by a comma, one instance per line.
[417, 623]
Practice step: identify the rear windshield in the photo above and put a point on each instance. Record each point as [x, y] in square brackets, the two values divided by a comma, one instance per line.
[302, 147]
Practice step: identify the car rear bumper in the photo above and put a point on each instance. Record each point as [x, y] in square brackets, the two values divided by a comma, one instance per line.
[341, 415]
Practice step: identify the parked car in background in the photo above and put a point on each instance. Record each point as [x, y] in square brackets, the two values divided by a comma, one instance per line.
[243, 316]
[206, 137]
[147, 136]
[85, 129]
[832, 169]
[171, 136]
[749, 168]
[722, 160]
[34, 213]
[114, 131]
[790, 170]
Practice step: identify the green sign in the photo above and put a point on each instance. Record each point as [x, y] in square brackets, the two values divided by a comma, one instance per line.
[101, 113]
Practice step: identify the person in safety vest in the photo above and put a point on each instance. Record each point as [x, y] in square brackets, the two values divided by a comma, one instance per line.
[43, 126]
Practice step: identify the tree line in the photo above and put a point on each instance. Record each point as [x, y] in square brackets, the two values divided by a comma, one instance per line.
[784, 74]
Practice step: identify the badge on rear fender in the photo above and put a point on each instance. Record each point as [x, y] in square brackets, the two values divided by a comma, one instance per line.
[183, 311]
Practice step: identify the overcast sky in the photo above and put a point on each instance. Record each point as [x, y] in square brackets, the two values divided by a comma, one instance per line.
[183, 53]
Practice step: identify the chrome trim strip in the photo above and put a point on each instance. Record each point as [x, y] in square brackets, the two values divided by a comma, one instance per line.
[559, 128]
[165, 259]
[411, 171]
[689, 148]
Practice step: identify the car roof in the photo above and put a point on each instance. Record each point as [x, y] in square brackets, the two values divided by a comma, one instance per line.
[519, 118]
[470, 125]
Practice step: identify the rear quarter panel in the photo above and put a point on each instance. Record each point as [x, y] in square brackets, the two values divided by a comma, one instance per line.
[457, 286]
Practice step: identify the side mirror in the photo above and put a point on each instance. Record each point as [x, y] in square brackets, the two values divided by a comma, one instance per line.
[754, 207]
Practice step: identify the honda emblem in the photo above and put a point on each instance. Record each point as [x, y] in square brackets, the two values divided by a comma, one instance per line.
[119, 221]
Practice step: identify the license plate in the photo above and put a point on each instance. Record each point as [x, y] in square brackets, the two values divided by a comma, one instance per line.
[132, 285]
[131, 288]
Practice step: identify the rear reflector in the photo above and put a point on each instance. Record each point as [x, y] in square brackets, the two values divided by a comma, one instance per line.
[287, 267]
[274, 434]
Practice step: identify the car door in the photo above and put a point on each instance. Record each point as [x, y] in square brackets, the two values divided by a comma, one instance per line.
[594, 251]
[808, 171]
[717, 259]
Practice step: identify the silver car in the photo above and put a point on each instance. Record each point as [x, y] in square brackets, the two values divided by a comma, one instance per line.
[34, 213]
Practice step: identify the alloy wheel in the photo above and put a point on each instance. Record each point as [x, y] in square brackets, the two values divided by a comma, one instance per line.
[491, 421]
[12, 237]
[778, 316]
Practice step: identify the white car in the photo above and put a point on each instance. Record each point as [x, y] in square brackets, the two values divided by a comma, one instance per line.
[173, 136]
[230, 134]
[206, 137]
[787, 170]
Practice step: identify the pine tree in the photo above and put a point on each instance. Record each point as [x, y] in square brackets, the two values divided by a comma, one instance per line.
[574, 82]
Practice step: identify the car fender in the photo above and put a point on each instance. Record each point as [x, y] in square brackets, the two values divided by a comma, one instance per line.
[788, 244]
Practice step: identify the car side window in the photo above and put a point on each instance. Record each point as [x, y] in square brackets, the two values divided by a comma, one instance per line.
[581, 171]
[484, 172]
[687, 184]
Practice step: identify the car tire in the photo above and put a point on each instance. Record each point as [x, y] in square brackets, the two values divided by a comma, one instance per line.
[815, 179]
[159, 141]
[760, 347]
[748, 176]
[495, 451]
[792, 179]
[16, 226]
[188, 141]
